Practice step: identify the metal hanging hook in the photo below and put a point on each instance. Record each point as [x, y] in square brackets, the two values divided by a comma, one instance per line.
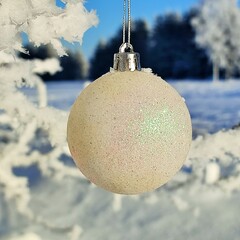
[126, 59]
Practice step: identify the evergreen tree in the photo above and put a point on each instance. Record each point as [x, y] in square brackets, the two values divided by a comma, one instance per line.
[103, 56]
[173, 51]
[97, 65]
[196, 58]
[164, 43]
[75, 67]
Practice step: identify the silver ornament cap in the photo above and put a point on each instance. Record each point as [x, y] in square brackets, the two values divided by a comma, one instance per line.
[126, 59]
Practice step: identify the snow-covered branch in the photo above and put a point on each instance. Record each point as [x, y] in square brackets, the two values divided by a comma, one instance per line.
[43, 23]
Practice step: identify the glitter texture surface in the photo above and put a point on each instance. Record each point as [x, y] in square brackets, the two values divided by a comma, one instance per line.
[129, 132]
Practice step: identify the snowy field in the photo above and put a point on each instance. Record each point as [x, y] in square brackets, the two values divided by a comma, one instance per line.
[201, 202]
[213, 106]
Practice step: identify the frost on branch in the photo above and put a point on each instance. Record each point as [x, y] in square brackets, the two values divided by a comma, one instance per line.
[43, 22]
[21, 120]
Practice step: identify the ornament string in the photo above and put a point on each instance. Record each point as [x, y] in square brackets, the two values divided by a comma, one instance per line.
[126, 59]
[125, 20]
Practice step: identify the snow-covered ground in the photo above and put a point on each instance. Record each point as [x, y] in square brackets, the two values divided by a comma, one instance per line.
[213, 106]
[201, 202]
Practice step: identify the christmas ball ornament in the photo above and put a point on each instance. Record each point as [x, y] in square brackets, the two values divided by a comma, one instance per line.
[129, 131]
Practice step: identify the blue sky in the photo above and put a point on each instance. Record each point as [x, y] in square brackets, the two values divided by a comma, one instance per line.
[110, 15]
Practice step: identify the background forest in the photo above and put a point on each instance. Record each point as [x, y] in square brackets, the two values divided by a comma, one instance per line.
[194, 45]
[169, 47]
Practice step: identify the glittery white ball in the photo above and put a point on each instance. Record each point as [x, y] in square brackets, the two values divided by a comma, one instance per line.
[129, 132]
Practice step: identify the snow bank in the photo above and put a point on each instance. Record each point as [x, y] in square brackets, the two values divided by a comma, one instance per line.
[203, 197]
[28, 236]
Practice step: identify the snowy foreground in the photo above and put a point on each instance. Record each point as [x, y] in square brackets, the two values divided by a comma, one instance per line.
[201, 202]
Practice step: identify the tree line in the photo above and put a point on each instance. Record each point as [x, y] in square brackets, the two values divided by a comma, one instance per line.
[169, 47]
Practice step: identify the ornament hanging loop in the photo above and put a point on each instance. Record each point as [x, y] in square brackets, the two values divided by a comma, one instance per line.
[127, 59]
[126, 47]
